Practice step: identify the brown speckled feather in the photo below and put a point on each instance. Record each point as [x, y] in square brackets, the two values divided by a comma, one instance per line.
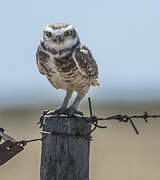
[86, 63]
[42, 62]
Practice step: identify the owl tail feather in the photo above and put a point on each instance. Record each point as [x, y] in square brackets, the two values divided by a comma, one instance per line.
[95, 83]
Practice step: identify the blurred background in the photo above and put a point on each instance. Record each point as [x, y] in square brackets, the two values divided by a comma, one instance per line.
[124, 39]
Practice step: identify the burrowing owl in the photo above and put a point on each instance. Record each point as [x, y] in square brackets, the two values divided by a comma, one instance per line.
[67, 64]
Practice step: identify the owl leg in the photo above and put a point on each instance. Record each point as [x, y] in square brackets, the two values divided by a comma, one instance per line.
[63, 108]
[73, 108]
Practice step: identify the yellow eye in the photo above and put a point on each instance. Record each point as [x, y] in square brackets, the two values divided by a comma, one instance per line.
[68, 33]
[48, 34]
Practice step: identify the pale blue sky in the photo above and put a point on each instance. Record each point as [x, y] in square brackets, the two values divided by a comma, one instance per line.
[123, 35]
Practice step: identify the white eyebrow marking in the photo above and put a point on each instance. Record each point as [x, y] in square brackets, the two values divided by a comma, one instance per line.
[48, 28]
[69, 27]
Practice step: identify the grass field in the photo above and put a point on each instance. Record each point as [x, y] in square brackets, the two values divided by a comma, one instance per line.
[116, 152]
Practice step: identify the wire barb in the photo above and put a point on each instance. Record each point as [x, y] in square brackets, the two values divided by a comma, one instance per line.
[134, 127]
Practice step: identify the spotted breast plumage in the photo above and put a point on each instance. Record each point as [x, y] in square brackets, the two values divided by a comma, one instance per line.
[67, 64]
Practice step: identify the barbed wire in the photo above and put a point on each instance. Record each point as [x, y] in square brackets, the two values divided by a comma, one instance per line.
[11, 147]
[94, 120]
[120, 117]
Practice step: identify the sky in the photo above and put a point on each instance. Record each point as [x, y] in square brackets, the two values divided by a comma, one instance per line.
[124, 37]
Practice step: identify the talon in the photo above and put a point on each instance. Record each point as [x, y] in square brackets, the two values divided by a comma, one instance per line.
[72, 111]
[59, 111]
[51, 112]
[79, 113]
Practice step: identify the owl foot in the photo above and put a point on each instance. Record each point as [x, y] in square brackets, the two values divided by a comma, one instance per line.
[72, 111]
[59, 111]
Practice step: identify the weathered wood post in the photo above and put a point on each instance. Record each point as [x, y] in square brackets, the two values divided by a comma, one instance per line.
[65, 148]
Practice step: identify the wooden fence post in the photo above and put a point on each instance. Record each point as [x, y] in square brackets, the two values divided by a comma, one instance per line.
[65, 157]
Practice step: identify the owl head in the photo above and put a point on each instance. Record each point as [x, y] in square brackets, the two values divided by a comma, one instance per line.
[59, 36]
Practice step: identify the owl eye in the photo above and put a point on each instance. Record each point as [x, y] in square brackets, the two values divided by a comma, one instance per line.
[68, 33]
[48, 34]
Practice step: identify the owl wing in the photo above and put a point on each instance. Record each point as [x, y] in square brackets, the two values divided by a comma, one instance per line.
[42, 59]
[86, 64]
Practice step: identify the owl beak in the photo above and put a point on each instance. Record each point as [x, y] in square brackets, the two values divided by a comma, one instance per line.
[59, 39]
